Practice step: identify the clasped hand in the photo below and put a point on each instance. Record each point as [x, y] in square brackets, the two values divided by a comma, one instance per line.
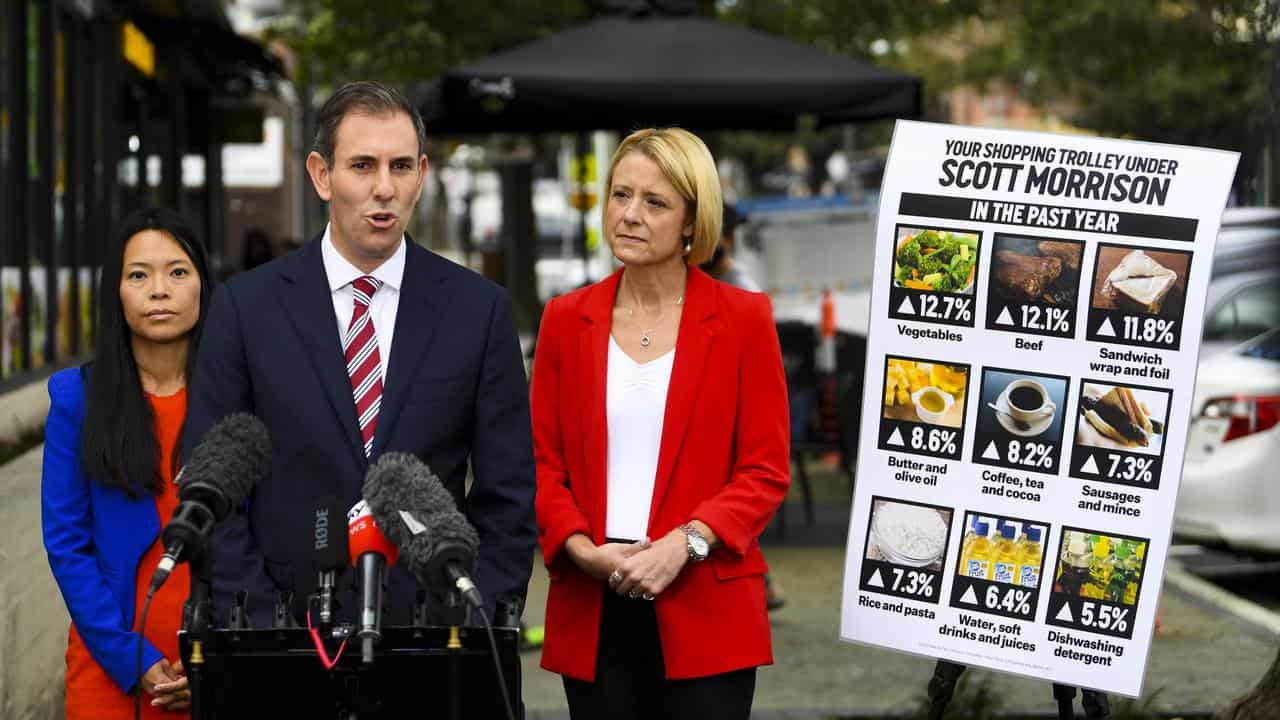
[167, 685]
[642, 569]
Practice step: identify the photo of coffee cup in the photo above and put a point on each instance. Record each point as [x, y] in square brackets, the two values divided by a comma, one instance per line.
[1028, 401]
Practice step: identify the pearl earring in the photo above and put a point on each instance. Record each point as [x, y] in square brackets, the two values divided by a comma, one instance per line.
[688, 246]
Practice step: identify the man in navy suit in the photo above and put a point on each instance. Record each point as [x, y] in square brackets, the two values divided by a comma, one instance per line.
[362, 343]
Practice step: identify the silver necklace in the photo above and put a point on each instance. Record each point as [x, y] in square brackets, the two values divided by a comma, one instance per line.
[645, 340]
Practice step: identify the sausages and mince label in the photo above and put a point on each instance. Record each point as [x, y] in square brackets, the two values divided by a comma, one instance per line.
[1013, 468]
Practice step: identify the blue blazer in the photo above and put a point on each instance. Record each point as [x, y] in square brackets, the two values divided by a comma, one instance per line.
[95, 535]
[455, 394]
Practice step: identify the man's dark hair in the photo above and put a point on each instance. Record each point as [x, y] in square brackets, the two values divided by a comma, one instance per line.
[365, 97]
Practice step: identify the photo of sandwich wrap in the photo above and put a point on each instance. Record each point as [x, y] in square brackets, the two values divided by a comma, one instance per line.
[935, 260]
[1034, 270]
[1122, 418]
[1145, 281]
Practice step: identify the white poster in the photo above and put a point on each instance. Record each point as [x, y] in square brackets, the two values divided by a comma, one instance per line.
[1035, 321]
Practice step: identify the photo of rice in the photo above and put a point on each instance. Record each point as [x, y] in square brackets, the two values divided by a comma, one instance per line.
[908, 534]
[1140, 280]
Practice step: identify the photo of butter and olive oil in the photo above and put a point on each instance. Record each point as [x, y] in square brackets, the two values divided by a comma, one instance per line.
[928, 392]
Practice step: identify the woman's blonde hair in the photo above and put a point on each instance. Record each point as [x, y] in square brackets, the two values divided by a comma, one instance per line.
[689, 167]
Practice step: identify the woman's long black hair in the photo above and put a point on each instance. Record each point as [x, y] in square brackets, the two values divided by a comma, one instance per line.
[118, 442]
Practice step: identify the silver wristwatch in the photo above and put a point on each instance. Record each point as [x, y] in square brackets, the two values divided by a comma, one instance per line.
[696, 543]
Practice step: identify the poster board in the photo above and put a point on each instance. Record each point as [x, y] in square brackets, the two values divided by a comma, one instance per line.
[1036, 314]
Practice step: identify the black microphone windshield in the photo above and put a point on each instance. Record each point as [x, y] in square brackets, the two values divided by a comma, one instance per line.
[402, 493]
[232, 457]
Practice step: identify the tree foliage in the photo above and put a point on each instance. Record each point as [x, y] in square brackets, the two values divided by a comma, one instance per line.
[1185, 71]
[407, 41]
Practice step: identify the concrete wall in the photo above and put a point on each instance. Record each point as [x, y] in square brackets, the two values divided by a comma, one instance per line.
[23, 409]
[33, 618]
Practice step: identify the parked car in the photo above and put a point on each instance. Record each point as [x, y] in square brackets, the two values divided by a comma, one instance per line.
[1243, 299]
[1229, 494]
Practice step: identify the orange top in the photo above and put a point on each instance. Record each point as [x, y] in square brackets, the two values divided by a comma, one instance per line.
[91, 694]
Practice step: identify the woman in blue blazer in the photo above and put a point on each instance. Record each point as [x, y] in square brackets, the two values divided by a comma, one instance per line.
[109, 460]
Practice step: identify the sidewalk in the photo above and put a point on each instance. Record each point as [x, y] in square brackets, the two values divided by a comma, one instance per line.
[1202, 659]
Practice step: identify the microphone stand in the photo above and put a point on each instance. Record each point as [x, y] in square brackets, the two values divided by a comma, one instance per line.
[455, 614]
[197, 616]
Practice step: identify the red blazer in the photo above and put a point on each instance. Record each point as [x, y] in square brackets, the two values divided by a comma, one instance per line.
[723, 459]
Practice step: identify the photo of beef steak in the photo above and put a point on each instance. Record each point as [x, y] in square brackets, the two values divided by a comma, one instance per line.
[1068, 253]
[1025, 276]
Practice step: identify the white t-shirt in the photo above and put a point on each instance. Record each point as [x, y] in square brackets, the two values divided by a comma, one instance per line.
[635, 401]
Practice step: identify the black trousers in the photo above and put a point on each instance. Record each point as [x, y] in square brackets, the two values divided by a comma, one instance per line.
[630, 677]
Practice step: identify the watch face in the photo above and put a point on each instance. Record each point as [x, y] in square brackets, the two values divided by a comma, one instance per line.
[699, 545]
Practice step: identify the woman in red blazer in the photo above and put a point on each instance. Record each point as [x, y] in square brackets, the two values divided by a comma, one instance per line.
[661, 440]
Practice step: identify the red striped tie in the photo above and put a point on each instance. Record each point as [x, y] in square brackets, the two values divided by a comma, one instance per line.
[364, 363]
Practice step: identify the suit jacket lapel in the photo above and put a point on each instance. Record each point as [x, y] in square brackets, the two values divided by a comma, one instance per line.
[420, 311]
[693, 344]
[593, 353]
[309, 302]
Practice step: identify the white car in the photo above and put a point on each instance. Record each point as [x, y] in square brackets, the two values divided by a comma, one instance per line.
[1230, 494]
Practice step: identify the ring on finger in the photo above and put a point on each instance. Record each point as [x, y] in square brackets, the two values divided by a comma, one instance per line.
[633, 594]
[615, 578]
[647, 596]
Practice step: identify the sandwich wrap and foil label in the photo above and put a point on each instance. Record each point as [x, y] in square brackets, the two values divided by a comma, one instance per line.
[1036, 312]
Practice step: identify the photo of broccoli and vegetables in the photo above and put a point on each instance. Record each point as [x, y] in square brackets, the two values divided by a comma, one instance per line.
[937, 261]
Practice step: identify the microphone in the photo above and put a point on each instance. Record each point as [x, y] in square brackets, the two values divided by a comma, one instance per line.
[420, 515]
[370, 552]
[229, 460]
[454, 555]
[329, 546]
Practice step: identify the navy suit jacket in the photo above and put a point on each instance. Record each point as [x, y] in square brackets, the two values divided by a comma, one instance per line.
[455, 391]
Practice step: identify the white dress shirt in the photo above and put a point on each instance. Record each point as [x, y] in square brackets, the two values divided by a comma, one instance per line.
[386, 300]
[635, 401]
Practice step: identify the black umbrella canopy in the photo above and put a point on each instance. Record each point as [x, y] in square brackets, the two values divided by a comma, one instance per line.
[622, 73]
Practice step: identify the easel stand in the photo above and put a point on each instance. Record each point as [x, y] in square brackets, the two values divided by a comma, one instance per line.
[946, 674]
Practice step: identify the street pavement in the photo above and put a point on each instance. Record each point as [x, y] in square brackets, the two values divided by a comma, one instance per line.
[1203, 657]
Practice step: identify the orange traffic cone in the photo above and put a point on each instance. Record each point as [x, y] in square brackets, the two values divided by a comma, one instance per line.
[825, 364]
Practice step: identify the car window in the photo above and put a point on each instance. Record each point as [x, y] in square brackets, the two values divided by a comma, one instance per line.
[1267, 349]
[1248, 313]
